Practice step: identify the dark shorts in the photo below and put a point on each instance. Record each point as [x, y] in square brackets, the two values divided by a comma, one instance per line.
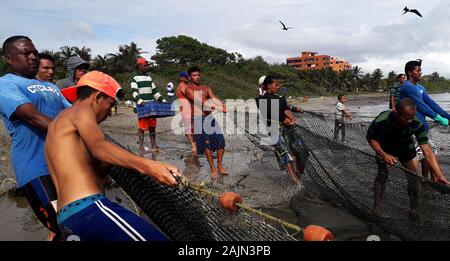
[403, 151]
[95, 218]
[282, 152]
[211, 137]
[40, 193]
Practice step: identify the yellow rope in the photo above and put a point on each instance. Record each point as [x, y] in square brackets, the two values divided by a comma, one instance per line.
[136, 208]
[202, 189]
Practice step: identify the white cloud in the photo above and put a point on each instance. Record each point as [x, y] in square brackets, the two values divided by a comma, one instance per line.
[81, 28]
[368, 33]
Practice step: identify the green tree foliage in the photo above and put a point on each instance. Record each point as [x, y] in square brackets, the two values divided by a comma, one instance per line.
[229, 74]
[184, 50]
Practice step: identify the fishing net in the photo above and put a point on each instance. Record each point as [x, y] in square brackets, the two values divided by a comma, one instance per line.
[344, 173]
[184, 213]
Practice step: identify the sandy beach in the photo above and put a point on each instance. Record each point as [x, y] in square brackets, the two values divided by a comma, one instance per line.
[253, 173]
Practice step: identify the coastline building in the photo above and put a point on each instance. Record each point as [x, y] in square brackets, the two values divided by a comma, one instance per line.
[314, 61]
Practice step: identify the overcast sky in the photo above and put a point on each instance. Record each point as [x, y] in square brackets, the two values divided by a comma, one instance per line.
[369, 33]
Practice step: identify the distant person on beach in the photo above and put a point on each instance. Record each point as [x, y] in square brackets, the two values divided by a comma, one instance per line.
[261, 88]
[390, 136]
[145, 90]
[340, 116]
[76, 68]
[78, 157]
[46, 69]
[426, 107]
[186, 110]
[267, 104]
[394, 92]
[27, 106]
[170, 92]
[207, 132]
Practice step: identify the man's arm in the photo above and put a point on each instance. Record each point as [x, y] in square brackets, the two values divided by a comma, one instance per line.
[432, 161]
[107, 152]
[292, 119]
[392, 102]
[387, 158]
[156, 94]
[434, 106]
[347, 113]
[216, 102]
[135, 90]
[28, 114]
[418, 99]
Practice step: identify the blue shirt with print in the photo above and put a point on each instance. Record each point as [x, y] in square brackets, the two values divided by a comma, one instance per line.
[27, 155]
[426, 107]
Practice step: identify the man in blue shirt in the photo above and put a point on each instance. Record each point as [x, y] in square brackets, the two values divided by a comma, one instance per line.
[426, 107]
[27, 106]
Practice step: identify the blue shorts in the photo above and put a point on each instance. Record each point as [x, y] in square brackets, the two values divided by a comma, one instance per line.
[95, 218]
[211, 137]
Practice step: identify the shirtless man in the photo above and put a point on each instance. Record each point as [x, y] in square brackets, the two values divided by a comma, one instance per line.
[208, 137]
[77, 156]
[186, 110]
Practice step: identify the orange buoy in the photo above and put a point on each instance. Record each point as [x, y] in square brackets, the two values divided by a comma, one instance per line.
[228, 201]
[317, 233]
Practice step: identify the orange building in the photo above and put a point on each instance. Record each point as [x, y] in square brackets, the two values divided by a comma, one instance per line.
[313, 61]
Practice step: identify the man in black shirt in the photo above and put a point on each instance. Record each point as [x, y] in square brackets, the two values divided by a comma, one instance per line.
[278, 115]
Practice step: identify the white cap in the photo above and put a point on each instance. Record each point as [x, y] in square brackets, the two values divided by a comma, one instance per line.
[170, 84]
[261, 80]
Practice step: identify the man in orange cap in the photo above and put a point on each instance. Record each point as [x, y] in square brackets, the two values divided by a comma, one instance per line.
[144, 90]
[77, 155]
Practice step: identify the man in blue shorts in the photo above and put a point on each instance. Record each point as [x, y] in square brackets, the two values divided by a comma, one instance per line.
[27, 106]
[78, 157]
[390, 136]
[207, 132]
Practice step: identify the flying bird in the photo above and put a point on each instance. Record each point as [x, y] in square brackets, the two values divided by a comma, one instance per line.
[406, 10]
[284, 26]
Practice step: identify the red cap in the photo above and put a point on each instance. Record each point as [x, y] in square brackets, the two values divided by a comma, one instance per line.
[141, 61]
[96, 80]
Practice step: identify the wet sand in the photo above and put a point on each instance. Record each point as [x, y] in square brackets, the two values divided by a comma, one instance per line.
[253, 173]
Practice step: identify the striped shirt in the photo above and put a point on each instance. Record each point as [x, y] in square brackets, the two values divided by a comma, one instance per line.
[394, 91]
[170, 90]
[144, 89]
[384, 132]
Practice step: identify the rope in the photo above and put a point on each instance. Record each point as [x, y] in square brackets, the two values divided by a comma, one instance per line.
[3, 183]
[135, 206]
[202, 189]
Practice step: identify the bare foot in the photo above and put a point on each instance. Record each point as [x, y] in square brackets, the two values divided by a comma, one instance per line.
[214, 173]
[441, 180]
[157, 150]
[222, 171]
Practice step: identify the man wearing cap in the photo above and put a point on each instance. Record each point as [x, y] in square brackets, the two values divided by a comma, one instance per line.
[78, 156]
[186, 109]
[76, 67]
[145, 90]
[261, 87]
[27, 106]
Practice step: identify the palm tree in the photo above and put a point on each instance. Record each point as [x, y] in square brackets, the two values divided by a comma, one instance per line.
[84, 53]
[100, 63]
[65, 53]
[128, 55]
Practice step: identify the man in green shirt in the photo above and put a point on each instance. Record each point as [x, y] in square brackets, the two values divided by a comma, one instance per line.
[394, 91]
[144, 90]
[390, 136]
